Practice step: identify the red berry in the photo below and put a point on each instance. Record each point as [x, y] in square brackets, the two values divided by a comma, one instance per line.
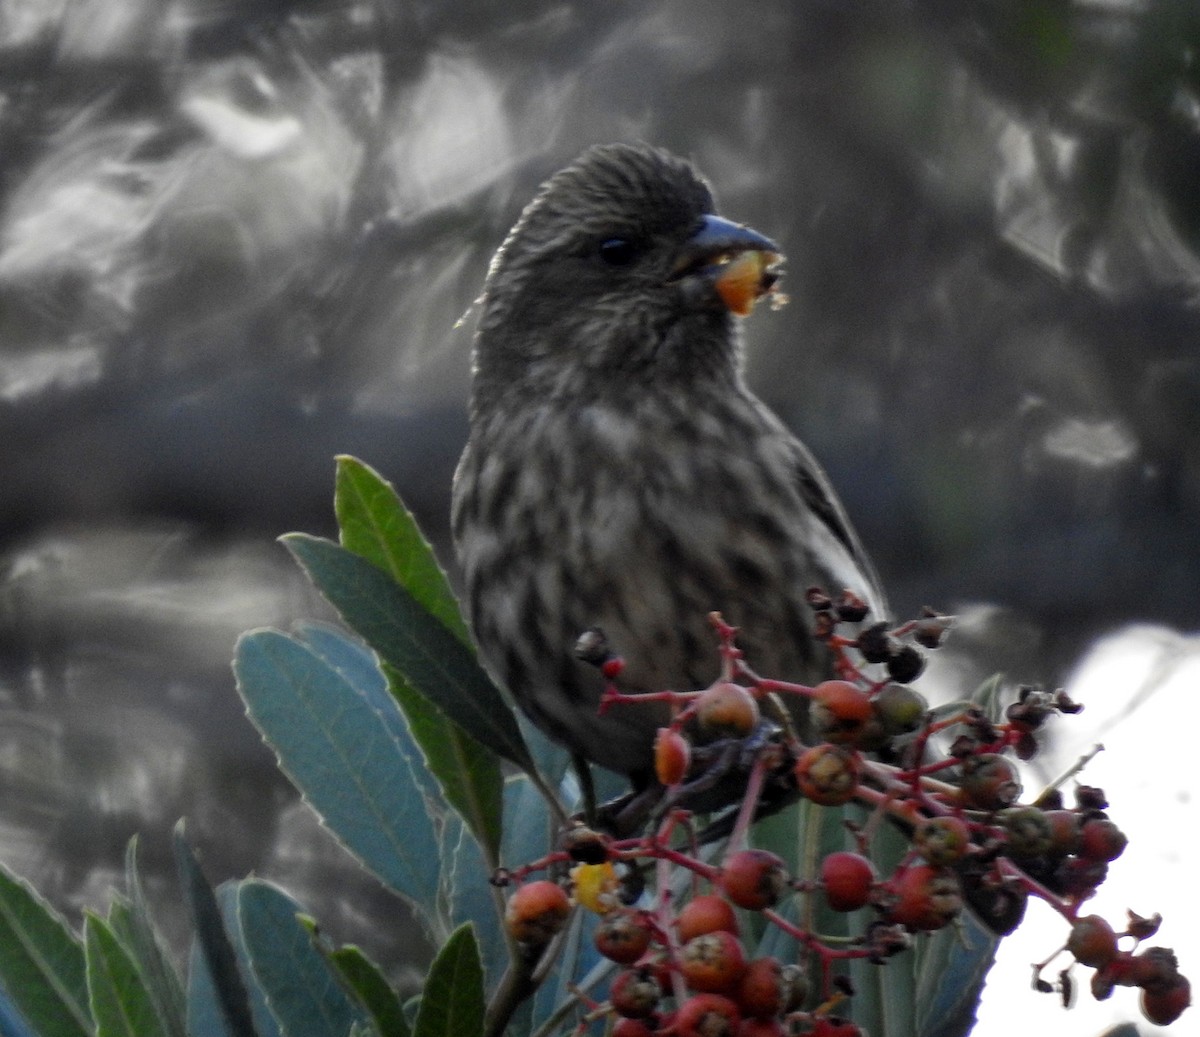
[726, 710]
[989, 782]
[754, 879]
[761, 1028]
[769, 988]
[832, 1026]
[1064, 832]
[1101, 840]
[626, 1027]
[612, 667]
[622, 936]
[1163, 1006]
[1092, 941]
[536, 912]
[848, 879]
[707, 1015]
[635, 993]
[923, 898]
[828, 774]
[672, 756]
[707, 913]
[713, 963]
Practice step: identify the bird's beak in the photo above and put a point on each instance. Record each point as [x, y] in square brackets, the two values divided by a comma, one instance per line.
[737, 263]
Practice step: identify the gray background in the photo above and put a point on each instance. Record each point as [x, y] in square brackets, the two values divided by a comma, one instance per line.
[235, 240]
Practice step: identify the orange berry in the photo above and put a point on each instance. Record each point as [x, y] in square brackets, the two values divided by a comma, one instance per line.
[536, 912]
[841, 711]
[707, 913]
[622, 936]
[672, 756]
[713, 963]
[726, 710]
[828, 774]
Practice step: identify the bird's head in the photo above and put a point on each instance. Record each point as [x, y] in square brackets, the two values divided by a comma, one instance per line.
[619, 268]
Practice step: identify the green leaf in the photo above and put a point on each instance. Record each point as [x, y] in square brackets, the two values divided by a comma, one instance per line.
[130, 920]
[373, 991]
[303, 994]
[410, 638]
[121, 1004]
[469, 774]
[218, 1001]
[452, 1002]
[374, 524]
[41, 963]
[337, 750]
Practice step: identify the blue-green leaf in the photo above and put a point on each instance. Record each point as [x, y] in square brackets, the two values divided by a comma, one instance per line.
[951, 969]
[218, 1000]
[357, 663]
[265, 1023]
[302, 992]
[470, 896]
[338, 751]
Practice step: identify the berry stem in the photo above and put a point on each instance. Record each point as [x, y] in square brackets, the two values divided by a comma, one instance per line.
[745, 817]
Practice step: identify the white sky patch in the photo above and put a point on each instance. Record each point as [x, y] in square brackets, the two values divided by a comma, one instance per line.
[1141, 693]
[30, 374]
[1095, 444]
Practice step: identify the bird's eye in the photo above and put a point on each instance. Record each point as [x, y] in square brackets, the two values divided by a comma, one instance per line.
[618, 251]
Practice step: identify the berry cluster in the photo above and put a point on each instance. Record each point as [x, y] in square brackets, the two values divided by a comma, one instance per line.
[944, 778]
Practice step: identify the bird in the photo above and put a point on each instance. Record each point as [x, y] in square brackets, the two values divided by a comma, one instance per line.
[619, 473]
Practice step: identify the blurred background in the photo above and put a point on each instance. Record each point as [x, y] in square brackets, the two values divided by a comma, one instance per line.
[237, 239]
